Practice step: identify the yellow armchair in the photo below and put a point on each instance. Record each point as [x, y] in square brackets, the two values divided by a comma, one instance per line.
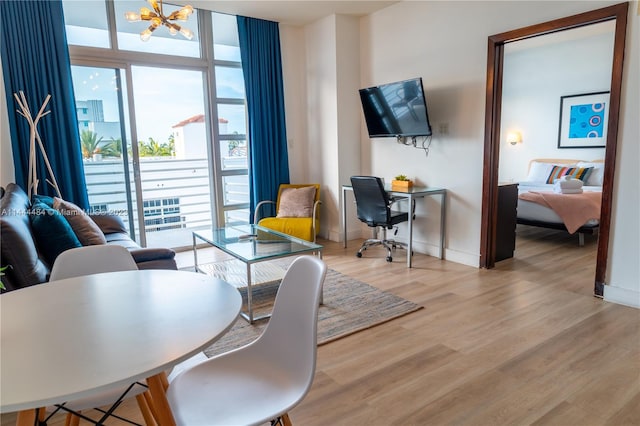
[297, 211]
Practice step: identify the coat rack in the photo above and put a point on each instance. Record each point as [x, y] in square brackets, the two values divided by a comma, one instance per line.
[32, 187]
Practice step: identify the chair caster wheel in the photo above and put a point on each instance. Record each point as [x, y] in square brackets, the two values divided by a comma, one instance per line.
[389, 259]
[358, 254]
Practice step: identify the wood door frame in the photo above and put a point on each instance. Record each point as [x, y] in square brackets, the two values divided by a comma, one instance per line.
[495, 61]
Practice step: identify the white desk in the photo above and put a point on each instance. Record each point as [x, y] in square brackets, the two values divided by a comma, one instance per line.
[410, 194]
[83, 336]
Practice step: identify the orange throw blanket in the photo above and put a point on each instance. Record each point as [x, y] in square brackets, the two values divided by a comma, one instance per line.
[574, 209]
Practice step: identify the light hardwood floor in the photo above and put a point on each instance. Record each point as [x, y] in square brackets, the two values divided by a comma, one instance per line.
[524, 343]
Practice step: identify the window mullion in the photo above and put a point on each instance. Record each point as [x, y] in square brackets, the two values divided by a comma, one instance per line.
[111, 25]
[136, 58]
[213, 136]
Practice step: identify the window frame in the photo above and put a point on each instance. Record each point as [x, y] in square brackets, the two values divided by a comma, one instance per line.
[112, 57]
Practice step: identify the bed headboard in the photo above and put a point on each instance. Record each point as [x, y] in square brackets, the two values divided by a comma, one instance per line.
[566, 161]
[543, 166]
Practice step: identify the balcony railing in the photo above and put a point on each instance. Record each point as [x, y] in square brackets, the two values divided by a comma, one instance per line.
[176, 196]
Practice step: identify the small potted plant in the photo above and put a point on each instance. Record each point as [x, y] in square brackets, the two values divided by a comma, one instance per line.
[401, 182]
[97, 154]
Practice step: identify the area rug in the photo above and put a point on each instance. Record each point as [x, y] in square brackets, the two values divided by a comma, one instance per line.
[349, 306]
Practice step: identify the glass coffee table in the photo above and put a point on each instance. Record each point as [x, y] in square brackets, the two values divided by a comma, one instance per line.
[252, 244]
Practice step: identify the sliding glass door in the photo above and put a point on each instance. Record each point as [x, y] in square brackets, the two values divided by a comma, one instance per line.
[162, 123]
[161, 184]
[101, 108]
[174, 154]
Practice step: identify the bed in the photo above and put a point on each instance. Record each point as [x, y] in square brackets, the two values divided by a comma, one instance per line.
[536, 200]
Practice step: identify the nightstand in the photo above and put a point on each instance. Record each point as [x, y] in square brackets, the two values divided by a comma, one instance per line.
[506, 223]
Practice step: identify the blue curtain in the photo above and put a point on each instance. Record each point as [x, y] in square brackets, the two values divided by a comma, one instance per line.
[262, 67]
[35, 60]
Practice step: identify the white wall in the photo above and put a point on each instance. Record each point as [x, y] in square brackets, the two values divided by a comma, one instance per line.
[349, 113]
[445, 43]
[535, 77]
[292, 45]
[191, 141]
[6, 157]
[323, 122]
[426, 39]
[623, 277]
[321, 115]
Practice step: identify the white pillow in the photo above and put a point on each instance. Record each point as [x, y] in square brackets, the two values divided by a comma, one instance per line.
[597, 173]
[539, 172]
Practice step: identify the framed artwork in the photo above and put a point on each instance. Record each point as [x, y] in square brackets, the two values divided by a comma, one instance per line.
[583, 120]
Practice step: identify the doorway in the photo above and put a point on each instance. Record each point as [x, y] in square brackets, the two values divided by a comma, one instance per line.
[495, 69]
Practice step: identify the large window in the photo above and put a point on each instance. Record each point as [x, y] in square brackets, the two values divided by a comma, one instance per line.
[162, 124]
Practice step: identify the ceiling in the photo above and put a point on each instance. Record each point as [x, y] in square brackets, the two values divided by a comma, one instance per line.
[292, 12]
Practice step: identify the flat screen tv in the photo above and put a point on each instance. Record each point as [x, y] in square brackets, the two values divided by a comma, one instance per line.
[396, 109]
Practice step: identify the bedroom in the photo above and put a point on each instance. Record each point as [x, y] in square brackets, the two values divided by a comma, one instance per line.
[539, 73]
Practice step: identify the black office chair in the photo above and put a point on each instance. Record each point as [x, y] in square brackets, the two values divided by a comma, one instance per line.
[374, 208]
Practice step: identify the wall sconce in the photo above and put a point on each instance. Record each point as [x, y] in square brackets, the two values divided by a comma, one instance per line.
[514, 138]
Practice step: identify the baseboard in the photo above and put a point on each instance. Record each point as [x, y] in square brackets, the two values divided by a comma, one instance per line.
[472, 260]
[468, 259]
[337, 235]
[622, 296]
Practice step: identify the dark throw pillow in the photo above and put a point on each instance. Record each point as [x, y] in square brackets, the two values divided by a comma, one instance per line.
[45, 199]
[52, 232]
[83, 226]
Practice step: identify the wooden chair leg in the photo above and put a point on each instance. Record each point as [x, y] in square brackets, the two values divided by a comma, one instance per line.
[152, 408]
[286, 421]
[75, 420]
[149, 419]
[71, 420]
[26, 418]
[159, 399]
[165, 381]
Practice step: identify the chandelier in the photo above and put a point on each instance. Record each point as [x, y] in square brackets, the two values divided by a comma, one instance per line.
[157, 18]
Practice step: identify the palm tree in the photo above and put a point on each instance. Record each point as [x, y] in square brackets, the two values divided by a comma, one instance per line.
[154, 148]
[112, 148]
[90, 143]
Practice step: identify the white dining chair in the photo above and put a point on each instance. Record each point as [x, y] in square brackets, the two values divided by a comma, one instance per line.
[265, 379]
[89, 260]
[93, 260]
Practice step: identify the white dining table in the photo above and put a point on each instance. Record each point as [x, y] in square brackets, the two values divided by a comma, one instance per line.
[83, 336]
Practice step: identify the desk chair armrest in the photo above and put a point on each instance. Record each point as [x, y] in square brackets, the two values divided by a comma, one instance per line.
[393, 200]
[256, 214]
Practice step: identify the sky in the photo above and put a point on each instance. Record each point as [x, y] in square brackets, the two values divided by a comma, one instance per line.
[162, 97]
